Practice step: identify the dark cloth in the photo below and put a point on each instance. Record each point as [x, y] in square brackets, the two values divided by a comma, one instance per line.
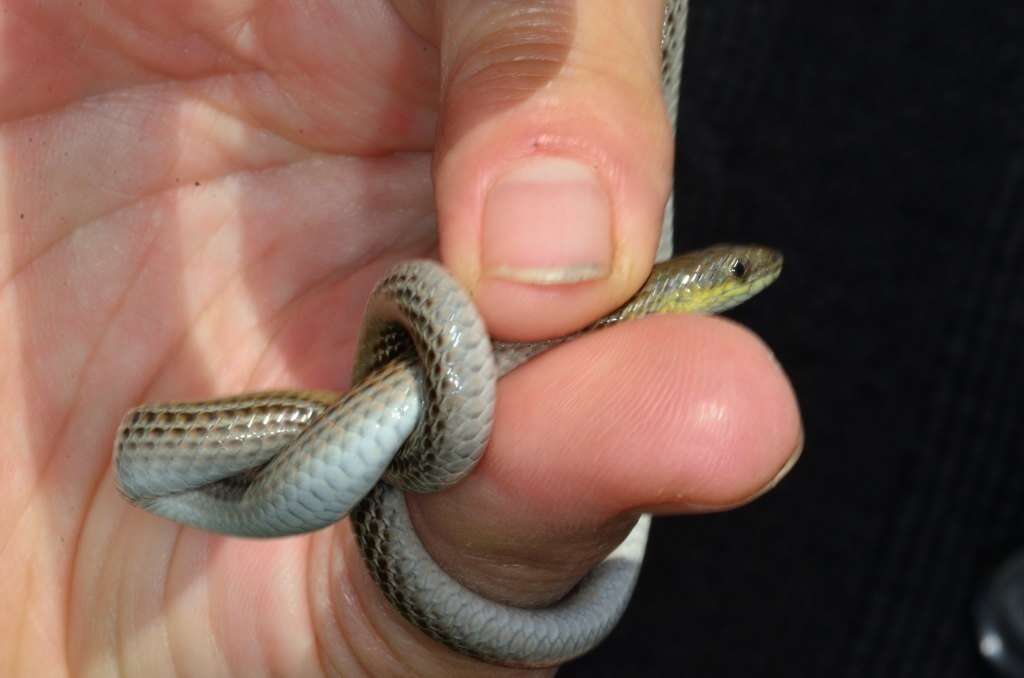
[880, 145]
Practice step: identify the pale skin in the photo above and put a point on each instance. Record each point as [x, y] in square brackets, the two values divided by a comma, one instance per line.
[195, 199]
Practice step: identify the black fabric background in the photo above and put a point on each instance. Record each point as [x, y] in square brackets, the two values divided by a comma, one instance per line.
[880, 145]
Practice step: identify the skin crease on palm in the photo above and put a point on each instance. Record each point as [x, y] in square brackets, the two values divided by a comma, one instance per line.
[195, 199]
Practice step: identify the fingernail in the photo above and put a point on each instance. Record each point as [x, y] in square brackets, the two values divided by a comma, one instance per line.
[791, 461]
[547, 221]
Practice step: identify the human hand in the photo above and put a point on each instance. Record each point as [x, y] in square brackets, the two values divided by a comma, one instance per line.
[196, 200]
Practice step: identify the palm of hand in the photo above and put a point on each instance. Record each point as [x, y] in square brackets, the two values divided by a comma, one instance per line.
[188, 191]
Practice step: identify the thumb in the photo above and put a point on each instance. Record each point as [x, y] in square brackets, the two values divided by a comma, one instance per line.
[553, 160]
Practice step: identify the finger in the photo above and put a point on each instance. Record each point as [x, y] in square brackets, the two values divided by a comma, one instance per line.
[553, 160]
[684, 414]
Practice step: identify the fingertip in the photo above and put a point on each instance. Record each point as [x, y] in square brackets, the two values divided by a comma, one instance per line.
[742, 431]
[678, 415]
